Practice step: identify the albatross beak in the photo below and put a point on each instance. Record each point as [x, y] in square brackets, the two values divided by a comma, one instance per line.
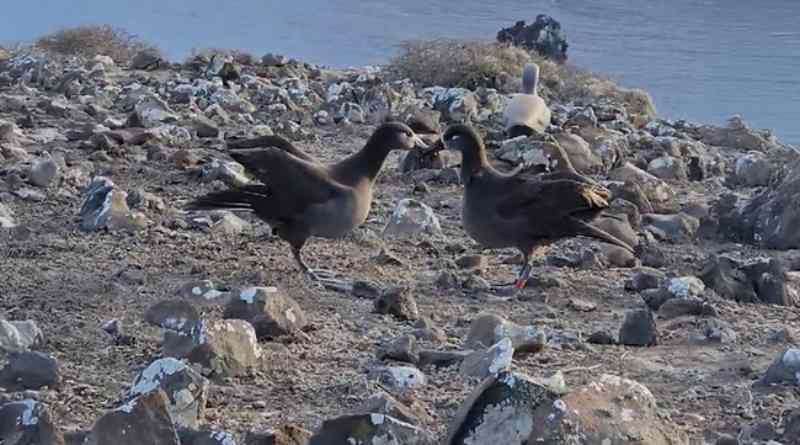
[419, 144]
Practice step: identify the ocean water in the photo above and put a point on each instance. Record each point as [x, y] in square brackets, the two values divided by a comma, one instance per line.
[702, 60]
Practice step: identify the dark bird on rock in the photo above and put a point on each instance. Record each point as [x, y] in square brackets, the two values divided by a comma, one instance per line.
[525, 211]
[300, 197]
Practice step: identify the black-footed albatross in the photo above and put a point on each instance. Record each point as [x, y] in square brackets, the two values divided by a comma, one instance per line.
[301, 197]
[524, 211]
[527, 113]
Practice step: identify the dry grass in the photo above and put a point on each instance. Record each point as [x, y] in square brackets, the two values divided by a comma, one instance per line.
[456, 63]
[472, 64]
[92, 40]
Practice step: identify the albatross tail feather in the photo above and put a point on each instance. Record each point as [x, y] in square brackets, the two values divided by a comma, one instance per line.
[238, 199]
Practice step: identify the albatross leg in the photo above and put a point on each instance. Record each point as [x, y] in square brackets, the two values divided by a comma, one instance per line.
[321, 276]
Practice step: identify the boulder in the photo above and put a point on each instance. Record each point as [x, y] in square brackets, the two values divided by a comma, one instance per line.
[142, 421]
[30, 370]
[737, 134]
[455, 104]
[609, 410]
[638, 329]
[399, 379]
[177, 315]
[185, 388]
[402, 349]
[28, 422]
[487, 362]
[544, 36]
[398, 302]
[370, 429]
[501, 410]
[487, 329]
[752, 169]
[411, 218]
[271, 312]
[768, 219]
[760, 280]
[658, 193]
[19, 335]
[676, 228]
[43, 171]
[785, 368]
[226, 347]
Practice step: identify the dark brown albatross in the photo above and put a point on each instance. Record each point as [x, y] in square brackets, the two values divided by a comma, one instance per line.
[524, 211]
[301, 198]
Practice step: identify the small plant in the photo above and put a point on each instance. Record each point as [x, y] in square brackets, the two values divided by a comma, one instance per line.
[456, 63]
[92, 40]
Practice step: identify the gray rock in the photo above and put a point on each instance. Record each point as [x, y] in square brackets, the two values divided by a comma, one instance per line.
[753, 170]
[525, 150]
[30, 370]
[19, 335]
[141, 421]
[544, 36]
[678, 307]
[645, 278]
[146, 60]
[43, 172]
[487, 362]
[151, 112]
[785, 368]
[638, 329]
[177, 315]
[205, 127]
[410, 218]
[28, 422]
[669, 168]
[399, 379]
[735, 135]
[455, 104]
[677, 228]
[6, 217]
[229, 172]
[106, 207]
[760, 280]
[270, 59]
[271, 311]
[767, 219]
[370, 429]
[488, 329]
[658, 193]
[501, 410]
[791, 430]
[685, 287]
[403, 349]
[384, 403]
[603, 412]
[204, 292]
[185, 388]
[226, 347]
[397, 302]
[192, 437]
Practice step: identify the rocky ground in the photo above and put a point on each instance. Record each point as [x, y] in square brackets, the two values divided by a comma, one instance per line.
[110, 291]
